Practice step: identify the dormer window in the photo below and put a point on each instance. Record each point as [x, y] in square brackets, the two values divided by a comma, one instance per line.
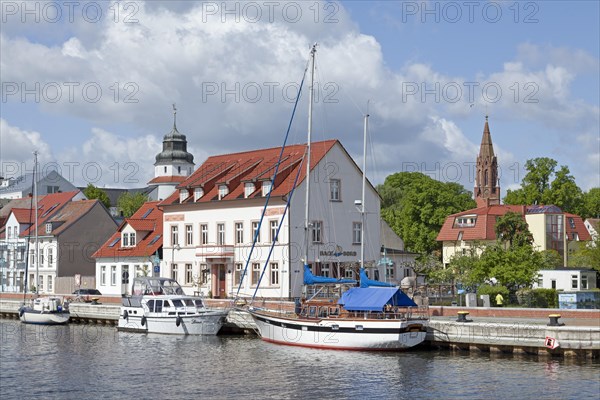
[198, 193]
[466, 221]
[223, 191]
[128, 239]
[48, 227]
[183, 194]
[248, 189]
[266, 187]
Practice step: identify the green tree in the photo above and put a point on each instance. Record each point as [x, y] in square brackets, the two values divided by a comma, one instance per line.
[93, 192]
[514, 268]
[129, 203]
[512, 228]
[416, 206]
[544, 184]
[591, 204]
[587, 255]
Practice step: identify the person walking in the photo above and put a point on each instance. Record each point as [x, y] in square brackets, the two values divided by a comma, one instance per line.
[499, 300]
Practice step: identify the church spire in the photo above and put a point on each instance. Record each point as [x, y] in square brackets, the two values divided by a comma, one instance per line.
[487, 189]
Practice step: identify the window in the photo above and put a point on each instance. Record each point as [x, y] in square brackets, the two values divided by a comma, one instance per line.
[174, 271]
[317, 229]
[138, 271]
[248, 189]
[572, 223]
[189, 235]
[465, 221]
[223, 191]
[553, 282]
[203, 234]
[349, 274]
[31, 258]
[174, 235]
[52, 189]
[356, 232]
[132, 239]
[266, 187]
[325, 270]
[255, 273]
[239, 233]
[255, 231]
[189, 279]
[125, 241]
[41, 257]
[48, 227]
[198, 193]
[41, 283]
[49, 279]
[238, 273]
[50, 257]
[584, 281]
[273, 231]
[113, 275]
[540, 281]
[575, 236]
[183, 194]
[125, 275]
[389, 272]
[574, 281]
[274, 267]
[204, 269]
[128, 240]
[334, 190]
[220, 234]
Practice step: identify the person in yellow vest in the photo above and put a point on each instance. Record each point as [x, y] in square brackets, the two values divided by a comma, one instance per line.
[499, 300]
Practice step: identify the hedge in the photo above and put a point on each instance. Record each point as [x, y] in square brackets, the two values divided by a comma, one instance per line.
[538, 298]
[493, 292]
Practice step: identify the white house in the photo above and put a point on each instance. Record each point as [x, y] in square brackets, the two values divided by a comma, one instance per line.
[567, 279]
[130, 251]
[211, 220]
[21, 186]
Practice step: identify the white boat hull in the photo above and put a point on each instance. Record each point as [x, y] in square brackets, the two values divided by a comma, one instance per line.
[204, 323]
[30, 316]
[341, 334]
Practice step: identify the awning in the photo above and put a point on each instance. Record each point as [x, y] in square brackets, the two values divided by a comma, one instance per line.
[374, 299]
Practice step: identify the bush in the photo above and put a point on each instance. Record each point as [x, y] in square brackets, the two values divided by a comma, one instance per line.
[493, 292]
[538, 298]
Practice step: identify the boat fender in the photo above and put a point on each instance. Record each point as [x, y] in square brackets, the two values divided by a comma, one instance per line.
[178, 320]
[125, 315]
[21, 312]
[144, 320]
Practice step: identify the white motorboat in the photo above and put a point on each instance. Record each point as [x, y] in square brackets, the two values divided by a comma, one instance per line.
[45, 311]
[159, 305]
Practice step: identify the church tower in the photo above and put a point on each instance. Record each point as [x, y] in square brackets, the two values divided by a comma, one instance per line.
[173, 164]
[487, 189]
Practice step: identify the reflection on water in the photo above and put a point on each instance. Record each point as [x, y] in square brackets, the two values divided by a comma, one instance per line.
[91, 361]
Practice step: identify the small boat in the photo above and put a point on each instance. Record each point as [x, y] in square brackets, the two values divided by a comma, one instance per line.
[159, 305]
[45, 311]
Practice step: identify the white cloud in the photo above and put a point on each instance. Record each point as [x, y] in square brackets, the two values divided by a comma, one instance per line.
[17, 147]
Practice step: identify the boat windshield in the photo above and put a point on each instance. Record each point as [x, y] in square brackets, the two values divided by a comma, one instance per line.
[156, 286]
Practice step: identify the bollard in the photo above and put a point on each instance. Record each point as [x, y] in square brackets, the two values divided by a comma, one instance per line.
[462, 316]
[95, 300]
[554, 320]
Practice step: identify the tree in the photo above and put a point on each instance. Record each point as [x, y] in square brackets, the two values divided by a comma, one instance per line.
[93, 192]
[543, 184]
[591, 204]
[512, 227]
[587, 255]
[415, 206]
[514, 268]
[129, 203]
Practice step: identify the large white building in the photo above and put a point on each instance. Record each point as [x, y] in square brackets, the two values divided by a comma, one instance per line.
[211, 220]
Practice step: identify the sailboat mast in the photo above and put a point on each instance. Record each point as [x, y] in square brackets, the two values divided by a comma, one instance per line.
[35, 213]
[362, 200]
[308, 141]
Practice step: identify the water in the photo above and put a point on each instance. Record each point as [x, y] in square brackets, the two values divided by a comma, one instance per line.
[90, 361]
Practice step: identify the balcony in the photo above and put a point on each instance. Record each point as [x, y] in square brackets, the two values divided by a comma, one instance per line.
[215, 251]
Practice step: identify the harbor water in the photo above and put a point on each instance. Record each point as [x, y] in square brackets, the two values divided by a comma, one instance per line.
[96, 361]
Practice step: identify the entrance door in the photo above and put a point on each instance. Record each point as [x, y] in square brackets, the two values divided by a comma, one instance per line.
[219, 285]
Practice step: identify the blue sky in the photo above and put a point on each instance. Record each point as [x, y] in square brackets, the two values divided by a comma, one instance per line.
[388, 52]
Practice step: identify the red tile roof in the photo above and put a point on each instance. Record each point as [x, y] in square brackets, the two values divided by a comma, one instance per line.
[68, 215]
[484, 227]
[167, 179]
[24, 215]
[148, 224]
[234, 170]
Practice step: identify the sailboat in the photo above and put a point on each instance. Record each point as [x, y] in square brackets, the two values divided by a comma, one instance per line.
[374, 316]
[47, 310]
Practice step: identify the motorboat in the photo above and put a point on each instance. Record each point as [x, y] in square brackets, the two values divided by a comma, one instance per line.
[47, 310]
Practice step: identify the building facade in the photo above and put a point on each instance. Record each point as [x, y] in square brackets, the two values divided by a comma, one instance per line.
[566, 279]
[211, 221]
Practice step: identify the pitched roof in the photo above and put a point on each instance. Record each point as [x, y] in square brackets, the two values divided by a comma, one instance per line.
[23, 215]
[147, 222]
[68, 215]
[167, 179]
[575, 225]
[256, 166]
[483, 227]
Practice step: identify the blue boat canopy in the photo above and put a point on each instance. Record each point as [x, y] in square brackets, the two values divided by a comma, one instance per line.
[366, 282]
[374, 299]
[310, 279]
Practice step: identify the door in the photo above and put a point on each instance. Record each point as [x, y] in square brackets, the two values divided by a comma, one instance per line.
[222, 273]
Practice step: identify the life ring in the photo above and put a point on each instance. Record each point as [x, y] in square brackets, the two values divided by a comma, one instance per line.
[125, 315]
[144, 320]
[178, 320]
[21, 312]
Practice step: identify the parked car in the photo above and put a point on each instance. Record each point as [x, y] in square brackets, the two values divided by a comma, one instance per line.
[87, 292]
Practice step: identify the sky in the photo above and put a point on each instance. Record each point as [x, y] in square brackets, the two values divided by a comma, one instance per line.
[91, 85]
